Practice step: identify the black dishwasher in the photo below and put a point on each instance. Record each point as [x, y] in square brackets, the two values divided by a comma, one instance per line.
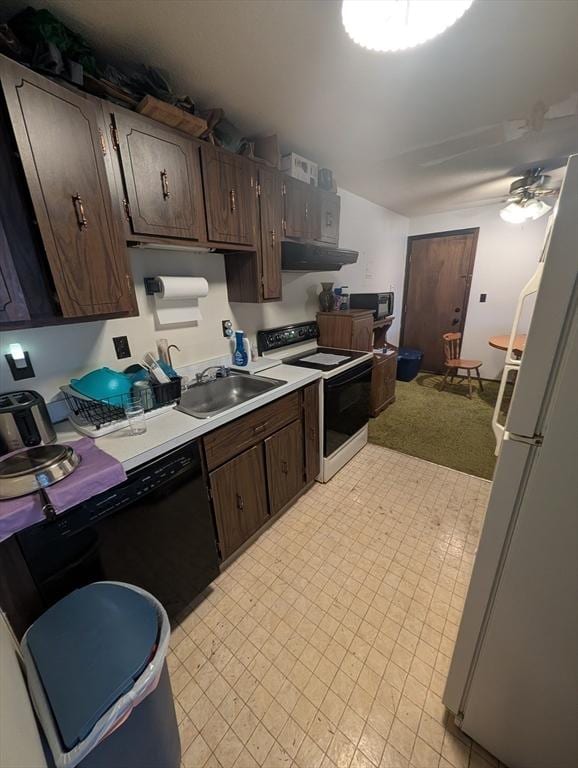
[154, 530]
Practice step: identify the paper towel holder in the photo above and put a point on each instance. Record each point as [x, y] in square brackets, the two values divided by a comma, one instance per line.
[152, 286]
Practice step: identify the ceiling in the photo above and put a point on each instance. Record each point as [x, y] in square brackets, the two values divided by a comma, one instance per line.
[441, 126]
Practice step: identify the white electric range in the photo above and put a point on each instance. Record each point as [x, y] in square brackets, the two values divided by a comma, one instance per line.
[344, 394]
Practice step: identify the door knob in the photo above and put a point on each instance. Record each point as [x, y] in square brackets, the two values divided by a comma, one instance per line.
[458, 309]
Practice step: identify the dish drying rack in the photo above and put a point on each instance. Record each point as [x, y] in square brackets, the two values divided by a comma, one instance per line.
[96, 418]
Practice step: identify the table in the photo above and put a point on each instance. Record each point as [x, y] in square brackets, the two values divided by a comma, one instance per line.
[501, 342]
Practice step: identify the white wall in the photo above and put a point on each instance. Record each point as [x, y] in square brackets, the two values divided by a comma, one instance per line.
[506, 258]
[61, 352]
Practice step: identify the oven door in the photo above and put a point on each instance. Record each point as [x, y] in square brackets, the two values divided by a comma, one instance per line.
[346, 406]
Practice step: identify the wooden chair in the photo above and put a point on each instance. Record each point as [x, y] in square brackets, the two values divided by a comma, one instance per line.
[452, 349]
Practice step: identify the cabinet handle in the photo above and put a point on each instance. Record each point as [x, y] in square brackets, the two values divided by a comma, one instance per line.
[329, 219]
[284, 467]
[240, 502]
[79, 210]
[102, 142]
[306, 210]
[259, 428]
[273, 238]
[233, 197]
[165, 183]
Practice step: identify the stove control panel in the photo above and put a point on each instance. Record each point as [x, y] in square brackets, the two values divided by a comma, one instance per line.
[277, 338]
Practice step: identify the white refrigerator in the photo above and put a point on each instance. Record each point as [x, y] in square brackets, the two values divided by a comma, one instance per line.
[513, 680]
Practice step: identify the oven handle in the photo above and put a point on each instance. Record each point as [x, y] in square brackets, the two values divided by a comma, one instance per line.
[345, 378]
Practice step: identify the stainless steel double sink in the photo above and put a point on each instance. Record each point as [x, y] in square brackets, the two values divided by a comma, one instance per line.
[217, 395]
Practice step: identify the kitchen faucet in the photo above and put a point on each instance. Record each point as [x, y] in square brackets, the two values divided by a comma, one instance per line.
[221, 372]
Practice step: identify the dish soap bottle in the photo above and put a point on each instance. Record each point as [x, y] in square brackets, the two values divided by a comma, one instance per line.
[240, 356]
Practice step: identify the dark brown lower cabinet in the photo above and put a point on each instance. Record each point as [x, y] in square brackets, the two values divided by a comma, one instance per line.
[311, 431]
[284, 458]
[383, 379]
[260, 462]
[239, 499]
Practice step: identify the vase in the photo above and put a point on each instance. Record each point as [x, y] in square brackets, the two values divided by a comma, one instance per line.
[327, 297]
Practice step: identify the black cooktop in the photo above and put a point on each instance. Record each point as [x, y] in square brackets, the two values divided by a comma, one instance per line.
[303, 358]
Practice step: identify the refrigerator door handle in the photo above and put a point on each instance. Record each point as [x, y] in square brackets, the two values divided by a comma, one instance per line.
[530, 288]
[499, 429]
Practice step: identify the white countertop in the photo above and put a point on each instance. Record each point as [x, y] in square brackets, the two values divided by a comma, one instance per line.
[171, 429]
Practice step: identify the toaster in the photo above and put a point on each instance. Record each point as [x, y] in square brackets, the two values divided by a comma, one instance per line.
[24, 421]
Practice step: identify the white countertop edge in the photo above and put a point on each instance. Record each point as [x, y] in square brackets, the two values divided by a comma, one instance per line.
[173, 429]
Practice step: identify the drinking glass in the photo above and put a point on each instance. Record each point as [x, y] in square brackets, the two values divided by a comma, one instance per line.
[135, 414]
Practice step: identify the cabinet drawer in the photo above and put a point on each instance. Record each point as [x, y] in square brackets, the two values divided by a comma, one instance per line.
[228, 441]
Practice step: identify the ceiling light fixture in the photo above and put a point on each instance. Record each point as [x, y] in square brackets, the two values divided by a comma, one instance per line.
[393, 25]
[525, 210]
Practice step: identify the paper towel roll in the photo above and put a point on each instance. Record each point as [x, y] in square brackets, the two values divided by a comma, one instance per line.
[177, 301]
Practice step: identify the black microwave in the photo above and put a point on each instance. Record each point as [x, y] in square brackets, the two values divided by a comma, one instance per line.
[381, 304]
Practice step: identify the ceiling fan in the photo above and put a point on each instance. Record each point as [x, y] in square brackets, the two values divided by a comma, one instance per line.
[526, 197]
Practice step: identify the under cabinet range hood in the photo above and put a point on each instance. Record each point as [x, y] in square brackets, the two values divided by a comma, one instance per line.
[306, 257]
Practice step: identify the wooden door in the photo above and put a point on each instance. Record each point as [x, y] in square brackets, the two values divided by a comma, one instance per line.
[438, 278]
[162, 176]
[230, 197]
[284, 456]
[329, 206]
[300, 209]
[239, 498]
[62, 157]
[271, 217]
[362, 333]
[311, 431]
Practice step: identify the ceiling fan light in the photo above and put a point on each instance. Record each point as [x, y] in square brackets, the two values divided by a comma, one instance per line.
[513, 213]
[536, 208]
[393, 25]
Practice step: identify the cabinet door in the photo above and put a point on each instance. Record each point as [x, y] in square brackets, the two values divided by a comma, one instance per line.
[271, 217]
[300, 209]
[284, 453]
[311, 431]
[12, 300]
[362, 333]
[61, 154]
[239, 499]
[162, 176]
[230, 197]
[328, 208]
[383, 382]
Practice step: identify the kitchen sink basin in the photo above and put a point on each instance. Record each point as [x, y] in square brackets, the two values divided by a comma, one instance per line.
[218, 395]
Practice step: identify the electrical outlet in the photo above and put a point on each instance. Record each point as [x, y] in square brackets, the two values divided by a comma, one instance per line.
[227, 326]
[483, 297]
[121, 347]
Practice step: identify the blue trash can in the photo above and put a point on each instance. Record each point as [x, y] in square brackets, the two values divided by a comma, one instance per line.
[97, 676]
[408, 363]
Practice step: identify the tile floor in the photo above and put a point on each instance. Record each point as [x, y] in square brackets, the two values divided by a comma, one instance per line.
[326, 644]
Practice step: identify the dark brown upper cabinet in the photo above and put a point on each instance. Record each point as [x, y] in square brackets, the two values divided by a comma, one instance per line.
[328, 209]
[161, 170]
[255, 276]
[230, 185]
[300, 209]
[13, 306]
[271, 221]
[56, 133]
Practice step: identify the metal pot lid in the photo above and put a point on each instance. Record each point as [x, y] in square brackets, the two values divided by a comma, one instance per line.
[35, 468]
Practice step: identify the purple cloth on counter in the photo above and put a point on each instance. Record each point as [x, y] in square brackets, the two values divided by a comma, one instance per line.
[97, 472]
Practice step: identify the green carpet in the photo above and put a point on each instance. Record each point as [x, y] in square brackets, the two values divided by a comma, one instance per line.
[444, 427]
